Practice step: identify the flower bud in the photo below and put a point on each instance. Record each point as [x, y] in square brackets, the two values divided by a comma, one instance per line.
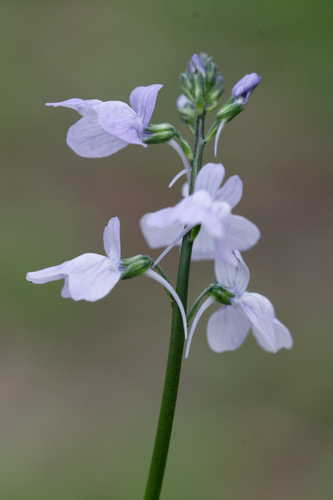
[187, 85]
[197, 63]
[186, 109]
[159, 133]
[204, 65]
[217, 90]
[244, 88]
[240, 94]
[202, 83]
[199, 91]
[231, 109]
[221, 294]
[134, 266]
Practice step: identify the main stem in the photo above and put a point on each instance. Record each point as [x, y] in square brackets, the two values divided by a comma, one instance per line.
[176, 347]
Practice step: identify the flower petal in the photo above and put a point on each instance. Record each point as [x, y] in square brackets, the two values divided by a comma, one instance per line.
[159, 228]
[168, 249]
[232, 191]
[204, 306]
[91, 277]
[46, 275]
[143, 101]
[87, 277]
[65, 290]
[210, 178]
[164, 226]
[241, 234]
[82, 106]
[89, 140]
[111, 239]
[227, 329]
[185, 190]
[121, 121]
[282, 335]
[199, 208]
[204, 246]
[260, 313]
[233, 277]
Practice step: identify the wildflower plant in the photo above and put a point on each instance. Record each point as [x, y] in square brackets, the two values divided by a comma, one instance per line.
[202, 223]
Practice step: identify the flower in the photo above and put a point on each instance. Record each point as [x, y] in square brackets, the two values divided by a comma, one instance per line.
[245, 86]
[92, 276]
[209, 206]
[106, 127]
[228, 327]
[240, 94]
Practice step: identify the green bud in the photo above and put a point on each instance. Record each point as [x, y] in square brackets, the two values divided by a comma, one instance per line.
[221, 294]
[186, 148]
[187, 85]
[134, 266]
[215, 93]
[186, 109]
[231, 109]
[159, 133]
[202, 83]
[198, 88]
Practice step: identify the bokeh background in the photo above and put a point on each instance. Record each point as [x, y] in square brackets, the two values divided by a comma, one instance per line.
[80, 383]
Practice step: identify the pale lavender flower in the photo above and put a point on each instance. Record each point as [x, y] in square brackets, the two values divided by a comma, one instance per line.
[245, 86]
[106, 127]
[92, 276]
[228, 327]
[210, 206]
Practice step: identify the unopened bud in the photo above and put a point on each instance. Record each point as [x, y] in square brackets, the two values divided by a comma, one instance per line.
[244, 88]
[221, 294]
[134, 266]
[217, 90]
[159, 133]
[197, 63]
[204, 64]
[231, 109]
[187, 85]
[202, 83]
[186, 108]
[198, 90]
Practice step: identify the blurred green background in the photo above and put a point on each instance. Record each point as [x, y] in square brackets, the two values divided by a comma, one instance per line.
[80, 383]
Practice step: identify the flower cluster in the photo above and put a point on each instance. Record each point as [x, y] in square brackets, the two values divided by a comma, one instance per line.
[204, 213]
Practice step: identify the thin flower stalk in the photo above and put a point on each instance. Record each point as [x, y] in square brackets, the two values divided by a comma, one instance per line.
[176, 347]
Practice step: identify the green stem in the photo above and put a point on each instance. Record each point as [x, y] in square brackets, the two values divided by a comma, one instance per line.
[176, 347]
[198, 152]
